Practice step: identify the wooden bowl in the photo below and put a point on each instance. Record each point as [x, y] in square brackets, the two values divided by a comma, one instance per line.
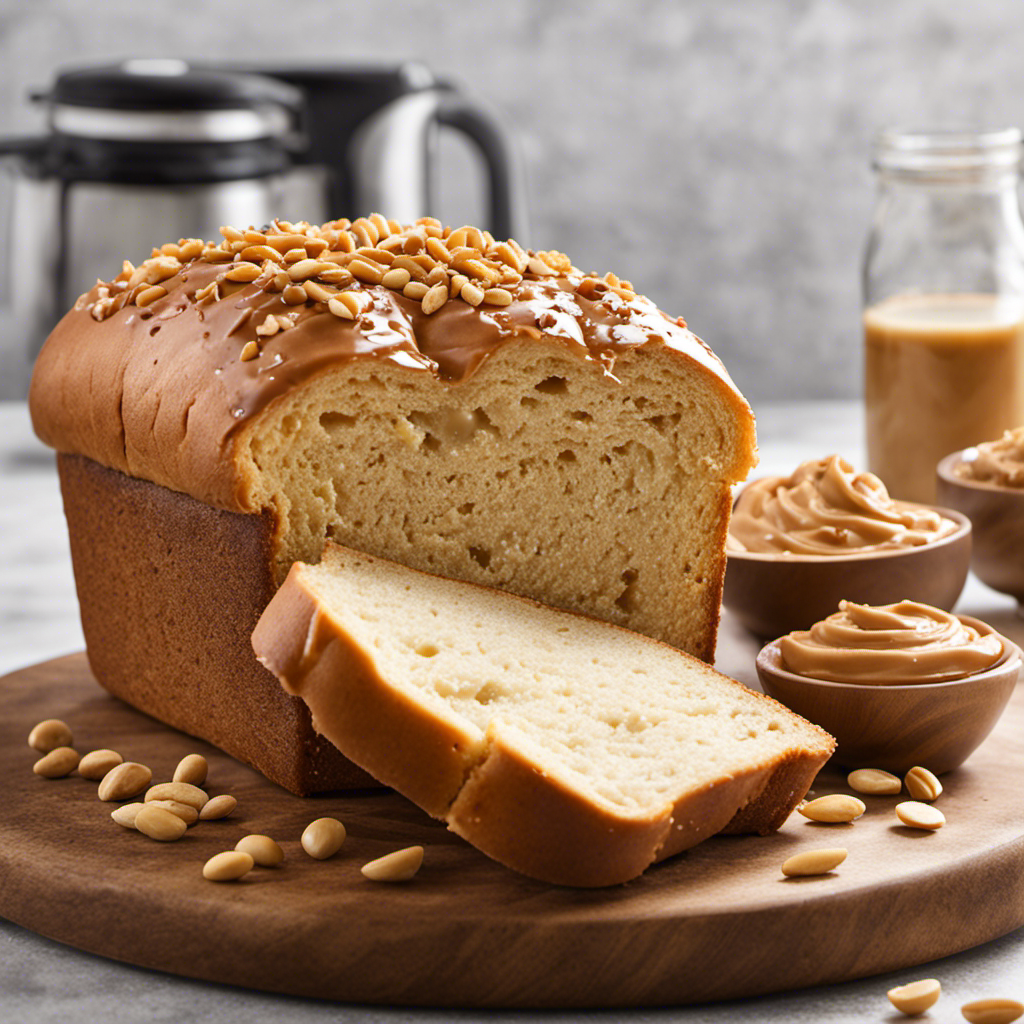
[936, 725]
[997, 516]
[773, 594]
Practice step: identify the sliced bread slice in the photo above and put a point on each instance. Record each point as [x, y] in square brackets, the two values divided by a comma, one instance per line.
[569, 749]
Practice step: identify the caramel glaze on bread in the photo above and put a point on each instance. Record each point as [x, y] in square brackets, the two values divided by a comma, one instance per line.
[569, 749]
[454, 403]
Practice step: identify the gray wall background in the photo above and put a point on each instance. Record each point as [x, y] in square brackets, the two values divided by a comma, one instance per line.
[716, 153]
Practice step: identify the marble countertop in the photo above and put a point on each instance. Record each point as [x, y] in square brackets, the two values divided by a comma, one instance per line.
[43, 981]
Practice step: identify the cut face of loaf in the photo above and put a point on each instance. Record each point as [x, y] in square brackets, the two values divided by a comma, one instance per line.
[539, 475]
[571, 750]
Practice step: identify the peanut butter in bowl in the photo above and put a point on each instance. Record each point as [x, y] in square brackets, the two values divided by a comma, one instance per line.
[800, 544]
[827, 508]
[899, 686]
[898, 644]
[986, 483]
[999, 462]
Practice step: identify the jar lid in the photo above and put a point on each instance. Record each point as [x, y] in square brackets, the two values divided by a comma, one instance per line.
[947, 152]
[171, 101]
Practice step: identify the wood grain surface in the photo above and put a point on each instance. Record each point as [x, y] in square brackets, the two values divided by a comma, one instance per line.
[717, 921]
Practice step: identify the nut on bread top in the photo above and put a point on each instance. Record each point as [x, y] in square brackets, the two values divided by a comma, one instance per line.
[154, 372]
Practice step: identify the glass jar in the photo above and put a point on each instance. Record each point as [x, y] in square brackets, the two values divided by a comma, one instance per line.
[943, 301]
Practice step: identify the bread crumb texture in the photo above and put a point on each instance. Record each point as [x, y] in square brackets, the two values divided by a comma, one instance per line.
[538, 479]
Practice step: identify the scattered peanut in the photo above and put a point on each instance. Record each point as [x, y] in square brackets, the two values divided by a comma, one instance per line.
[397, 278]
[922, 784]
[415, 290]
[126, 780]
[186, 812]
[916, 997]
[147, 296]
[435, 298]
[263, 850]
[498, 297]
[218, 807]
[192, 769]
[245, 272]
[50, 734]
[125, 814]
[323, 838]
[837, 807]
[159, 823]
[59, 762]
[813, 862]
[399, 866]
[228, 866]
[918, 815]
[992, 1011]
[874, 781]
[97, 763]
[183, 792]
[348, 305]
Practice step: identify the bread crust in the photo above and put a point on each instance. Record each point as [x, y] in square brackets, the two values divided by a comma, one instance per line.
[533, 823]
[169, 591]
[783, 788]
[712, 594]
[505, 803]
[383, 730]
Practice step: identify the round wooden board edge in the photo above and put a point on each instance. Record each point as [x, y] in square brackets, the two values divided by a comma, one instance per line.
[547, 992]
[955, 918]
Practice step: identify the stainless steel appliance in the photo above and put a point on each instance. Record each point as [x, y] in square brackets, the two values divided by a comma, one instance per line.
[144, 151]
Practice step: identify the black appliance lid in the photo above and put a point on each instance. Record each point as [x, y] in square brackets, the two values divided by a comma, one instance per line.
[171, 101]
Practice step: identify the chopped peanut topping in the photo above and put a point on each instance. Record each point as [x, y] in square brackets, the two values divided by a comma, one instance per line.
[312, 264]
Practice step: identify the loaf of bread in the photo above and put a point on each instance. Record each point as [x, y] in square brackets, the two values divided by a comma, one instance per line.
[432, 396]
[569, 749]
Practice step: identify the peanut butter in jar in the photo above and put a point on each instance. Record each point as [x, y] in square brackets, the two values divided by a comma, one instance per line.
[941, 372]
[944, 301]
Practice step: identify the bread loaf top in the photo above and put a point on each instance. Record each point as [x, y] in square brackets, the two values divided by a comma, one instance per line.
[155, 372]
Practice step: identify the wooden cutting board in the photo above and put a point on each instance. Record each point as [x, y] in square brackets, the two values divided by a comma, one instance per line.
[718, 921]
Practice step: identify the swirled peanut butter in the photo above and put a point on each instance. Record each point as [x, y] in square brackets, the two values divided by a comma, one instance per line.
[825, 508]
[996, 462]
[899, 643]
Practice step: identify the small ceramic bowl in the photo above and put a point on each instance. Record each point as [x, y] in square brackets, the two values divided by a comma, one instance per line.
[775, 594]
[936, 725]
[997, 515]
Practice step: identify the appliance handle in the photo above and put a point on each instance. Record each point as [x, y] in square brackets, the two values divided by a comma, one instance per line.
[29, 149]
[507, 206]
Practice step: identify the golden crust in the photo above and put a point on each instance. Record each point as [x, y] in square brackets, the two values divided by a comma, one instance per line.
[170, 590]
[517, 814]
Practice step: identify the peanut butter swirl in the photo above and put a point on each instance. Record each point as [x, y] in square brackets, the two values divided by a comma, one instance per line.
[825, 508]
[996, 462]
[896, 644]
